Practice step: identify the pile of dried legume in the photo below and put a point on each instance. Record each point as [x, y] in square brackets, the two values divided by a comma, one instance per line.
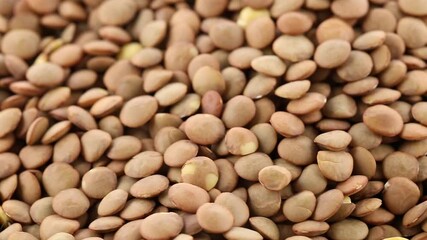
[213, 119]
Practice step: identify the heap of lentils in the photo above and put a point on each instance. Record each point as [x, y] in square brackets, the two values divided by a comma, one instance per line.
[213, 119]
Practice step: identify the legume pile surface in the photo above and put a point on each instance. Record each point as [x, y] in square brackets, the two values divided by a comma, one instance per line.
[213, 119]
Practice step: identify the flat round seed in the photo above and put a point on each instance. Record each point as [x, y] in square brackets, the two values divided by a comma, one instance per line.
[41, 209]
[40, 8]
[22, 43]
[274, 178]
[17, 210]
[399, 164]
[364, 162]
[369, 40]
[118, 70]
[259, 86]
[150, 186]
[187, 106]
[94, 144]
[236, 206]
[419, 111]
[361, 87]
[380, 19]
[265, 226]
[54, 175]
[214, 218]
[262, 201]
[200, 171]
[240, 106]
[156, 79]
[153, 33]
[33, 157]
[207, 78]
[54, 98]
[397, 186]
[67, 55]
[336, 166]
[116, 12]
[105, 106]
[269, 65]
[348, 229]
[241, 141]
[204, 129]
[242, 57]
[300, 206]
[310, 102]
[242, 233]
[113, 202]
[249, 166]
[11, 164]
[61, 236]
[350, 9]
[381, 96]
[287, 149]
[166, 136]
[100, 48]
[45, 75]
[415, 8]
[144, 164]
[8, 187]
[161, 226]
[287, 124]
[9, 119]
[383, 120]
[180, 192]
[353, 184]
[412, 85]
[114, 34]
[81, 118]
[293, 90]
[413, 131]
[413, 31]
[98, 182]
[21, 235]
[29, 188]
[293, 48]
[366, 207]
[294, 23]
[70, 203]
[415, 215]
[16, 66]
[347, 107]
[227, 35]
[334, 140]
[212, 103]
[359, 65]
[137, 208]
[332, 124]
[147, 57]
[260, 32]
[138, 111]
[328, 203]
[88, 98]
[106, 224]
[124, 147]
[179, 55]
[129, 231]
[310, 228]
[55, 224]
[334, 28]
[332, 53]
